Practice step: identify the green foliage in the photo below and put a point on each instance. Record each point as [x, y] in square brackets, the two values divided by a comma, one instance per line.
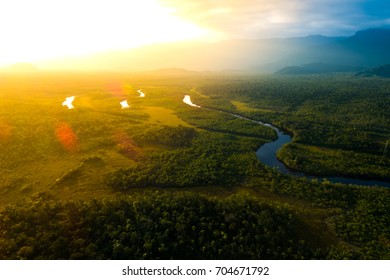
[361, 215]
[312, 160]
[334, 112]
[222, 122]
[150, 226]
[211, 160]
[168, 136]
[368, 225]
[340, 126]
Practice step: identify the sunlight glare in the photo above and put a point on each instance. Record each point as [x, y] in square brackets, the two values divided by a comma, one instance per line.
[43, 29]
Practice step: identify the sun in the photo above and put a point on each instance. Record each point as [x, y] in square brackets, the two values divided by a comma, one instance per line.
[42, 29]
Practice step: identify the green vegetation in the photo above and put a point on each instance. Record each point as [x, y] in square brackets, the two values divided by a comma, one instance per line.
[333, 162]
[340, 112]
[150, 226]
[221, 122]
[210, 160]
[167, 136]
[164, 180]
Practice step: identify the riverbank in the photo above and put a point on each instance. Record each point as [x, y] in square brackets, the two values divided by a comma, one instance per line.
[267, 154]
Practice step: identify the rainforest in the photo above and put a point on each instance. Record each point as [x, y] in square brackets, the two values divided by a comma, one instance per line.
[156, 178]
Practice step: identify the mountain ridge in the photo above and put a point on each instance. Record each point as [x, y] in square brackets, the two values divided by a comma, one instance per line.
[366, 48]
[380, 71]
[318, 68]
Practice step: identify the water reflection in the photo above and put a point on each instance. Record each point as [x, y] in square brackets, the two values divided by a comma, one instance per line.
[124, 104]
[68, 102]
[187, 100]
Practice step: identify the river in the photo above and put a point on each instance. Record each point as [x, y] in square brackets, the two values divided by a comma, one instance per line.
[267, 155]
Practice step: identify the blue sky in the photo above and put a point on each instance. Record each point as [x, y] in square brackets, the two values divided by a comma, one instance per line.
[283, 18]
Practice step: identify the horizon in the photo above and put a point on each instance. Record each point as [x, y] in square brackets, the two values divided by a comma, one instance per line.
[194, 130]
[58, 62]
[45, 31]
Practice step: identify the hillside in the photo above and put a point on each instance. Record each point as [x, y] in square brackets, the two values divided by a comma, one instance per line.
[364, 49]
[164, 180]
[381, 71]
[317, 68]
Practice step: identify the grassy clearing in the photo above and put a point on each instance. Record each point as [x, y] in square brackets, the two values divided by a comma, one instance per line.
[43, 145]
[57, 160]
[196, 92]
[246, 107]
[164, 116]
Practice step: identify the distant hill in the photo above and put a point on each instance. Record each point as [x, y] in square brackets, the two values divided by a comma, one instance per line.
[367, 48]
[172, 71]
[235, 55]
[21, 67]
[381, 71]
[318, 68]
[295, 70]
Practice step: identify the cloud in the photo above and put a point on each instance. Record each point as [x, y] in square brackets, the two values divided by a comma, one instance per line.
[281, 18]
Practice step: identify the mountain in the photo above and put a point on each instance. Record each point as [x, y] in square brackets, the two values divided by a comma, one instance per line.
[229, 54]
[366, 48]
[381, 71]
[318, 68]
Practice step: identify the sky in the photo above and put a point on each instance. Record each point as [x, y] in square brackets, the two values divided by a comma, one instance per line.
[42, 29]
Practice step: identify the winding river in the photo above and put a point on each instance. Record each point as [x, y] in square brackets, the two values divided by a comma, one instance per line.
[267, 155]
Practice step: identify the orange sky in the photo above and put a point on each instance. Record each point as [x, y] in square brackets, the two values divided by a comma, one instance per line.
[41, 29]
[33, 30]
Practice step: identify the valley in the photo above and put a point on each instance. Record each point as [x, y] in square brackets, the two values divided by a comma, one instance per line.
[162, 179]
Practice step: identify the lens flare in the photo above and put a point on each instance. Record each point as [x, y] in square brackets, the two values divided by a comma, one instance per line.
[5, 131]
[125, 144]
[187, 100]
[67, 137]
[68, 102]
[116, 89]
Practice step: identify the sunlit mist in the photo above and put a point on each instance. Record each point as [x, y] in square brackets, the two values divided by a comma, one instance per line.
[68, 102]
[187, 100]
[45, 29]
[116, 89]
[141, 94]
[124, 104]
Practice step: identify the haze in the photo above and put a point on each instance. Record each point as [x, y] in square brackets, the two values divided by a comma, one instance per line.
[58, 31]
